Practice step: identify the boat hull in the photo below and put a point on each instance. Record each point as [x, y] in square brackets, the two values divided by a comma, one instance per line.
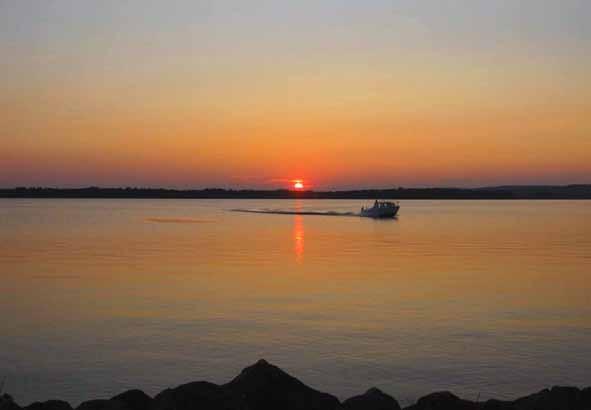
[380, 213]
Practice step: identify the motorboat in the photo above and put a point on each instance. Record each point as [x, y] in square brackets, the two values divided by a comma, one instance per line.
[381, 209]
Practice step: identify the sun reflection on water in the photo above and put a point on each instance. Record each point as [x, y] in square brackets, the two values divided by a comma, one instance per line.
[298, 238]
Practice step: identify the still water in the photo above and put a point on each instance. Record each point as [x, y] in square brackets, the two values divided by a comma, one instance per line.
[477, 297]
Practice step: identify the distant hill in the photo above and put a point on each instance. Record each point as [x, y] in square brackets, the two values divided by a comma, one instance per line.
[497, 192]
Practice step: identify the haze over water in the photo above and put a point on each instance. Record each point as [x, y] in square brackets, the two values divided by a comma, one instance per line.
[488, 297]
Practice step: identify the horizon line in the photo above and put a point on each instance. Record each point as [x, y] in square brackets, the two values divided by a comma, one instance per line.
[218, 188]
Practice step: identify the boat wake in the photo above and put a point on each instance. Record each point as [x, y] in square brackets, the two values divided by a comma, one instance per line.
[178, 220]
[287, 212]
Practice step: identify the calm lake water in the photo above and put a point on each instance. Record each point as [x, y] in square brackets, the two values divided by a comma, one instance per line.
[477, 297]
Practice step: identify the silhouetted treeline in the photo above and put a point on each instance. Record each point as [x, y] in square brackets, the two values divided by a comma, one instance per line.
[502, 192]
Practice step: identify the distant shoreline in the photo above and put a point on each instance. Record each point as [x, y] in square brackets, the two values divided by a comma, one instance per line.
[498, 192]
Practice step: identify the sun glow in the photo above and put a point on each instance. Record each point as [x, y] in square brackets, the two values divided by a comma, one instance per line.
[298, 185]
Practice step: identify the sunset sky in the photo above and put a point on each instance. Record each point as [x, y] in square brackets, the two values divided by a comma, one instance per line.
[339, 94]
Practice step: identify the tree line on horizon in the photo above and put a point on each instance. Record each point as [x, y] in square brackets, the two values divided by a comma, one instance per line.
[501, 192]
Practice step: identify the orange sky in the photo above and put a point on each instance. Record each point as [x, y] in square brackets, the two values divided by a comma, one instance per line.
[379, 95]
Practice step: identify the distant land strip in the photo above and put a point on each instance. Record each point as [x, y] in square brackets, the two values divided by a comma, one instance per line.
[496, 192]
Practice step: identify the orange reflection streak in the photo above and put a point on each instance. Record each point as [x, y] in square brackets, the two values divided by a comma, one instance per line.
[298, 238]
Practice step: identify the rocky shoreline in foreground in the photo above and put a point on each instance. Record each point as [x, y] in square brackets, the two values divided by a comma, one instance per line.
[264, 386]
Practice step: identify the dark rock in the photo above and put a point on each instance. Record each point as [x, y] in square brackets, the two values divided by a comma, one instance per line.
[263, 386]
[134, 400]
[258, 387]
[193, 396]
[7, 403]
[92, 405]
[443, 401]
[373, 399]
[497, 405]
[558, 398]
[49, 405]
[129, 400]
[4, 398]
[586, 397]
[567, 397]
[102, 405]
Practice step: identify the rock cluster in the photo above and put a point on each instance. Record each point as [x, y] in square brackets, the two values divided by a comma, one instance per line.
[263, 386]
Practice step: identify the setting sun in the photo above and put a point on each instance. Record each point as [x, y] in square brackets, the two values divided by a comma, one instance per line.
[298, 185]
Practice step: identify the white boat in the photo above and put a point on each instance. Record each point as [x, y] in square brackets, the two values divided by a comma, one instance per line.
[381, 209]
